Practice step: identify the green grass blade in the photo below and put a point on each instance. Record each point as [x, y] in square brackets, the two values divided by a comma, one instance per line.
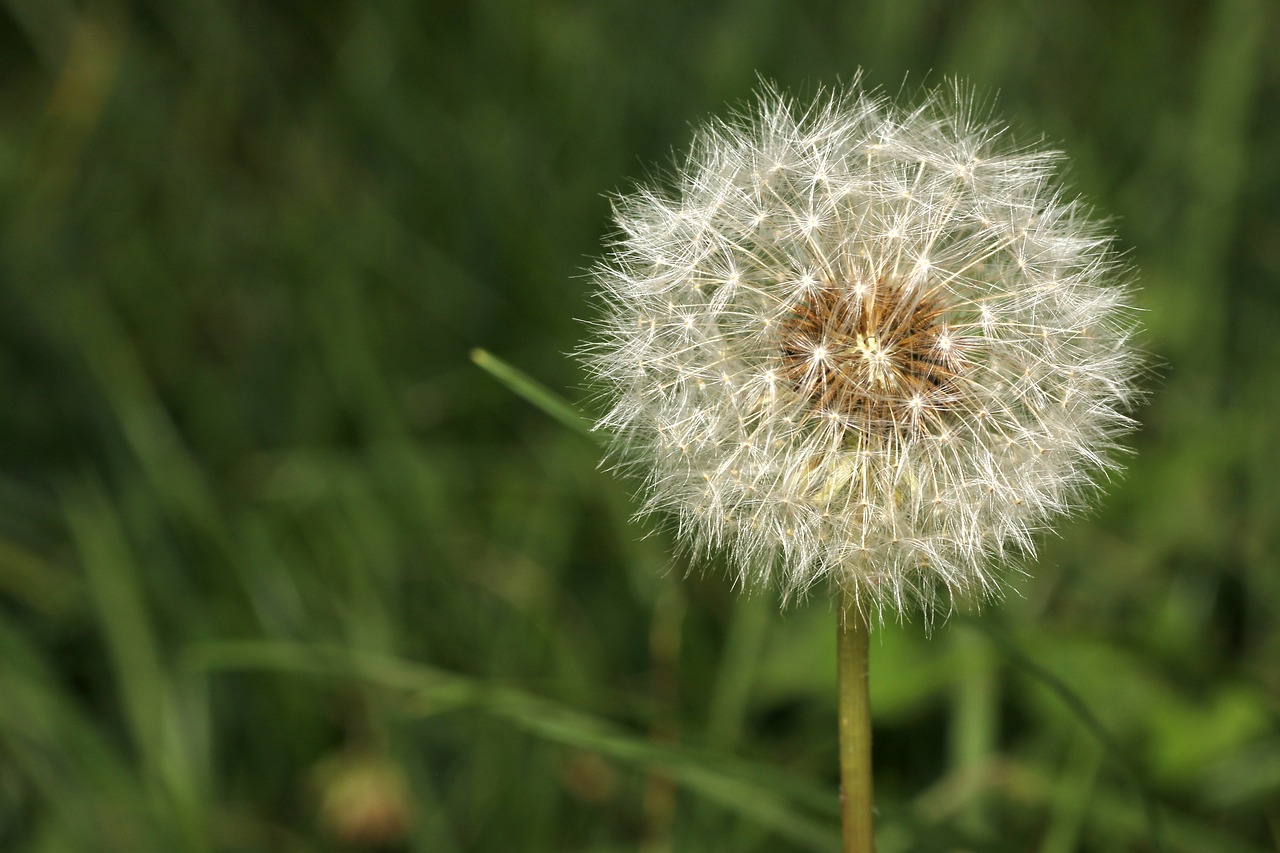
[534, 392]
[116, 591]
[56, 749]
[1085, 714]
[755, 793]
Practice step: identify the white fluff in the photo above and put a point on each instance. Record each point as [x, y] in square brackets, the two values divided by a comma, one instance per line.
[863, 346]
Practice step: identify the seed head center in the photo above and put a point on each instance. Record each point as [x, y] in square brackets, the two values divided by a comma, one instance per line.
[877, 359]
[873, 356]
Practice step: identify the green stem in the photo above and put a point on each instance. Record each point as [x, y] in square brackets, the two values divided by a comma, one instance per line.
[856, 817]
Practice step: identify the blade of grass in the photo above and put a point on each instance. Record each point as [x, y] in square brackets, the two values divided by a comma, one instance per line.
[116, 365]
[41, 584]
[534, 392]
[57, 750]
[743, 648]
[974, 727]
[146, 692]
[1084, 713]
[759, 794]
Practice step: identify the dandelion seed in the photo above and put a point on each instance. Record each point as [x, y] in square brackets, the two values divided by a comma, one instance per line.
[922, 347]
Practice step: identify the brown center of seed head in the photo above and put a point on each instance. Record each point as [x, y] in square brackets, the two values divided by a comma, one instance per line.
[877, 357]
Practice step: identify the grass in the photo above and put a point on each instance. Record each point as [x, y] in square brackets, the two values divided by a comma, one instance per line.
[281, 568]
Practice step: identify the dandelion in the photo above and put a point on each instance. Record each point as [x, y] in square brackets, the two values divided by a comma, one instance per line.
[867, 348]
[863, 346]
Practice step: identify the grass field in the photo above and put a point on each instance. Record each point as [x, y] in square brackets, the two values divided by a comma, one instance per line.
[281, 568]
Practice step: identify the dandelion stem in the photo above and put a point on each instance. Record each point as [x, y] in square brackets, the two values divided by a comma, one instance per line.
[856, 815]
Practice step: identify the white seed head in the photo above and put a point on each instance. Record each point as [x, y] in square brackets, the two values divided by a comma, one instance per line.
[863, 346]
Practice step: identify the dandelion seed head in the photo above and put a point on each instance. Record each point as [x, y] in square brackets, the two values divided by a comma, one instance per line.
[863, 346]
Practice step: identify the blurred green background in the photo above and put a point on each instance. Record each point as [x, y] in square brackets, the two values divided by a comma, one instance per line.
[282, 569]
